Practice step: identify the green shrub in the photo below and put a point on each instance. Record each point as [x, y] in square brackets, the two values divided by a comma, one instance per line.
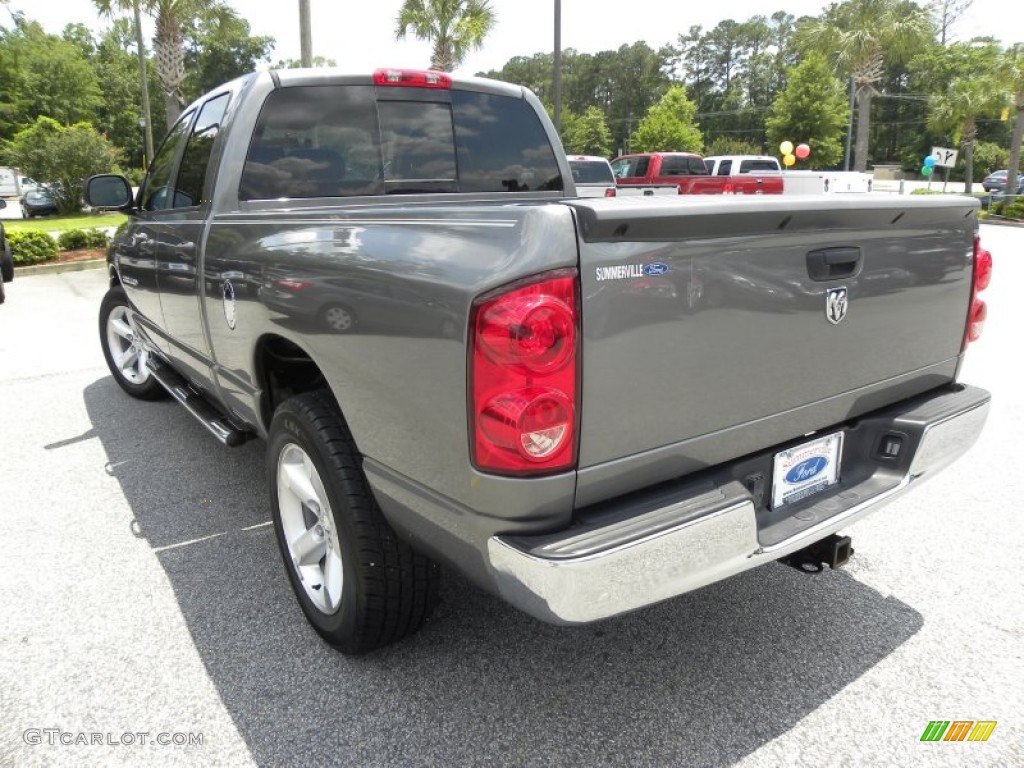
[73, 240]
[1014, 210]
[32, 247]
[96, 238]
[926, 191]
[78, 239]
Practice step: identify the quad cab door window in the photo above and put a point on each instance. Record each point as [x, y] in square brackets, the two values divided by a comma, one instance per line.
[137, 253]
[180, 230]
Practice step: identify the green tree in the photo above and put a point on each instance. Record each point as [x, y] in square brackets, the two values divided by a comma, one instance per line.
[726, 145]
[318, 61]
[43, 74]
[989, 157]
[116, 67]
[588, 134]
[1013, 67]
[973, 89]
[812, 109]
[110, 8]
[861, 36]
[670, 125]
[454, 27]
[218, 50]
[734, 72]
[67, 155]
[174, 18]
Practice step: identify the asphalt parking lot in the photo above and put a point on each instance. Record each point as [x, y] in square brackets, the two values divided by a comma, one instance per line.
[142, 593]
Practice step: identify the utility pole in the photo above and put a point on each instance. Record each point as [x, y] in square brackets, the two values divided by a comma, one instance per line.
[305, 35]
[147, 118]
[849, 129]
[558, 65]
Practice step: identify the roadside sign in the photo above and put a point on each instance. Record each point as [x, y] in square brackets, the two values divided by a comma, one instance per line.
[945, 158]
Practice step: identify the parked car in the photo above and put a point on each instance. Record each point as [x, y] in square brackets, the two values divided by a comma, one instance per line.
[37, 202]
[6, 261]
[996, 181]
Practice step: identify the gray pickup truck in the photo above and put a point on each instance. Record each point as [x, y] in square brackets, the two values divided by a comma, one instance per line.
[586, 406]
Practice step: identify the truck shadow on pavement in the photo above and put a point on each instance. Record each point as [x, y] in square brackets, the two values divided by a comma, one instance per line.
[704, 679]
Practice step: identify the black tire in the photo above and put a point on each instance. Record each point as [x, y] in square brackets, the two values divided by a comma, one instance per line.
[3, 296]
[388, 590]
[143, 385]
[6, 267]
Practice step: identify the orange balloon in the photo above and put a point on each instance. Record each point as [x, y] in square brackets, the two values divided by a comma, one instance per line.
[788, 160]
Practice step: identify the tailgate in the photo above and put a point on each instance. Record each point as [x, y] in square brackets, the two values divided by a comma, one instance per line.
[717, 327]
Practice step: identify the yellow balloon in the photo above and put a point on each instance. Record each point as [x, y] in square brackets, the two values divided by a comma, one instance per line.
[786, 148]
[788, 160]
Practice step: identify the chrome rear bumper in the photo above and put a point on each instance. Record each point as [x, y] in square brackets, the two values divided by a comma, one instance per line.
[716, 529]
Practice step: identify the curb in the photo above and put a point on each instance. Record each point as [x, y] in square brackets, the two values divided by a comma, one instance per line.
[53, 269]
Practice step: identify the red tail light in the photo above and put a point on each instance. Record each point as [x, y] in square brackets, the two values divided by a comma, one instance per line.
[523, 376]
[982, 276]
[413, 78]
[291, 284]
[610, 192]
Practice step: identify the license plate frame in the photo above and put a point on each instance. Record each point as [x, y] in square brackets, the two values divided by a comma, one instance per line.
[806, 469]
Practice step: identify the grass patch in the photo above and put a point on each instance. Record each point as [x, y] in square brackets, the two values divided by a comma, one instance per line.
[64, 223]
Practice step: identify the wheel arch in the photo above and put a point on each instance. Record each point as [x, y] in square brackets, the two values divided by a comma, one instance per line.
[284, 368]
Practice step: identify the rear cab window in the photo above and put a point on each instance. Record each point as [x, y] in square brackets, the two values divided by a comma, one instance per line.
[591, 171]
[345, 140]
[682, 165]
[756, 166]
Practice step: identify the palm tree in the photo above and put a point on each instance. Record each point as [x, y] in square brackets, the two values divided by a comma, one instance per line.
[168, 42]
[975, 89]
[453, 26]
[862, 37]
[1015, 77]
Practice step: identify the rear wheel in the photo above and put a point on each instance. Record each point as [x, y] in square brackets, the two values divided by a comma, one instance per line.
[6, 267]
[360, 586]
[123, 348]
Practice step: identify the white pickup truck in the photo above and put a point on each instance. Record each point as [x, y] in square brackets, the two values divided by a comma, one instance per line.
[13, 183]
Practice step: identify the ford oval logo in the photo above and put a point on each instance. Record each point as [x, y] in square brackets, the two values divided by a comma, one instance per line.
[655, 269]
[806, 469]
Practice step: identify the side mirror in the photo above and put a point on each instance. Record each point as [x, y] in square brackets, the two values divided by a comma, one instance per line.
[108, 192]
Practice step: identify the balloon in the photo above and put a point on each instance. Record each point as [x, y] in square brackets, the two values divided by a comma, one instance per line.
[929, 161]
[788, 159]
[786, 147]
[803, 151]
[926, 170]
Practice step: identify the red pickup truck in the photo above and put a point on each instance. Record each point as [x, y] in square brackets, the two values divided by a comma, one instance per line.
[687, 170]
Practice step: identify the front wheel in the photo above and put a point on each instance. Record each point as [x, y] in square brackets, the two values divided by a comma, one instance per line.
[360, 586]
[123, 347]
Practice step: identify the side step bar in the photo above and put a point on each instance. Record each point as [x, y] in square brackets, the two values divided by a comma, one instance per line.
[219, 425]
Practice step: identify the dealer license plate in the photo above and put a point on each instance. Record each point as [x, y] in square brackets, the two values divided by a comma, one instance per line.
[806, 469]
